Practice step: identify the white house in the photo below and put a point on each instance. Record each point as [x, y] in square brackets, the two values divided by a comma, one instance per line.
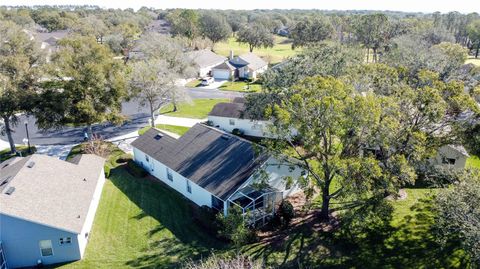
[454, 156]
[216, 169]
[205, 60]
[246, 66]
[231, 116]
[47, 208]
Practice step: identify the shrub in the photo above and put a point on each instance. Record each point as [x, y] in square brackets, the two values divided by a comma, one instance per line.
[206, 217]
[237, 131]
[124, 158]
[215, 262]
[286, 213]
[106, 169]
[234, 228]
[136, 170]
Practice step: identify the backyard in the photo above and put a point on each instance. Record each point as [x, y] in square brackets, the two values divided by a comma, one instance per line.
[143, 224]
[197, 109]
[279, 52]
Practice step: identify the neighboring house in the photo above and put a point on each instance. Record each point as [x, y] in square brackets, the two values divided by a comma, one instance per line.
[49, 40]
[205, 60]
[231, 116]
[454, 156]
[216, 169]
[247, 66]
[48, 207]
[283, 31]
[158, 26]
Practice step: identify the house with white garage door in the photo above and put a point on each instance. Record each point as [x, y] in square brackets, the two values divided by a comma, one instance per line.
[205, 60]
[245, 66]
[217, 169]
[47, 208]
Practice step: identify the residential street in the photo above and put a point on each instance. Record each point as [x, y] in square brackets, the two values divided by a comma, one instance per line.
[137, 118]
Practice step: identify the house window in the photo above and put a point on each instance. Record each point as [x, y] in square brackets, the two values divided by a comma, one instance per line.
[147, 159]
[65, 240]
[232, 122]
[189, 187]
[46, 248]
[448, 161]
[169, 175]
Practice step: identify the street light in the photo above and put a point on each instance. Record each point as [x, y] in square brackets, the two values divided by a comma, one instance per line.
[28, 137]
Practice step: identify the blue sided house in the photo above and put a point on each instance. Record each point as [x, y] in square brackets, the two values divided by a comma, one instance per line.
[47, 208]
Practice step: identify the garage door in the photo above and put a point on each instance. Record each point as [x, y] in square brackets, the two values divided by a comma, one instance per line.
[221, 74]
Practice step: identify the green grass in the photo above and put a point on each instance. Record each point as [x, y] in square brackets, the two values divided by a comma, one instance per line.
[23, 150]
[279, 52]
[240, 86]
[473, 162]
[142, 223]
[472, 60]
[198, 109]
[403, 209]
[180, 130]
[194, 83]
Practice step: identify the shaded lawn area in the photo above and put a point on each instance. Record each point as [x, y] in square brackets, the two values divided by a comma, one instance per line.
[180, 130]
[197, 109]
[240, 86]
[279, 52]
[142, 224]
[400, 238]
[21, 151]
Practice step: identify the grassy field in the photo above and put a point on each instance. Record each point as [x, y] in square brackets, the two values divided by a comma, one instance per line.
[143, 224]
[198, 109]
[180, 130]
[280, 51]
[23, 150]
[240, 86]
[472, 60]
[473, 162]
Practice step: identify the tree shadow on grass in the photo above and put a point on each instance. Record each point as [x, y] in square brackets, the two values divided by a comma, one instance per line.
[174, 213]
[370, 242]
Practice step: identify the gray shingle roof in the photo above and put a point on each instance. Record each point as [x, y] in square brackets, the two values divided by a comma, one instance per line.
[205, 58]
[254, 62]
[225, 66]
[216, 161]
[52, 192]
[460, 149]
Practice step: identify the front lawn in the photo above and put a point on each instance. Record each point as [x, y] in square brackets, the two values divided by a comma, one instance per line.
[279, 52]
[21, 150]
[180, 130]
[197, 109]
[241, 86]
[144, 224]
[194, 83]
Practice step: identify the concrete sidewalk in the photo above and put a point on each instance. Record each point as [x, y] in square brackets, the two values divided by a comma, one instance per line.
[59, 151]
[186, 122]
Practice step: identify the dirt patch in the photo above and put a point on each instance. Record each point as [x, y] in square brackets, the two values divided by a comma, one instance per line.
[401, 195]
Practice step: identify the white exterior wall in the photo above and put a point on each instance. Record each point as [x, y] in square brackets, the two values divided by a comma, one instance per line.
[450, 153]
[254, 74]
[247, 126]
[84, 236]
[199, 195]
[203, 71]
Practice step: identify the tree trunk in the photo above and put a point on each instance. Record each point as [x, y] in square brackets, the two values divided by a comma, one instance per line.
[152, 115]
[324, 213]
[478, 49]
[374, 55]
[368, 54]
[8, 131]
[175, 107]
[251, 48]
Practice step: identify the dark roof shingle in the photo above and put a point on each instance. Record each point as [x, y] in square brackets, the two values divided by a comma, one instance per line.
[214, 160]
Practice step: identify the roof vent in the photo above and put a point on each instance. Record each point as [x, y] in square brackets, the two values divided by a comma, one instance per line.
[31, 164]
[225, 137]
[158, 136]
[84, 179]
[4, 181]
[10, 190]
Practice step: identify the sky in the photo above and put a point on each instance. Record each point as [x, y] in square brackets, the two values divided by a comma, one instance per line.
[426, 6]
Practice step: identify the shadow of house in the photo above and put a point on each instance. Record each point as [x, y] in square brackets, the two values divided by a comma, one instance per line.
[173, 212]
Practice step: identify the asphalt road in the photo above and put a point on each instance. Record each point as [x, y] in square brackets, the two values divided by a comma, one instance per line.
[137, 118]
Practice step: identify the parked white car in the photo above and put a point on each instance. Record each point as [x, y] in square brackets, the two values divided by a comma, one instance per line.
[207, 81]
